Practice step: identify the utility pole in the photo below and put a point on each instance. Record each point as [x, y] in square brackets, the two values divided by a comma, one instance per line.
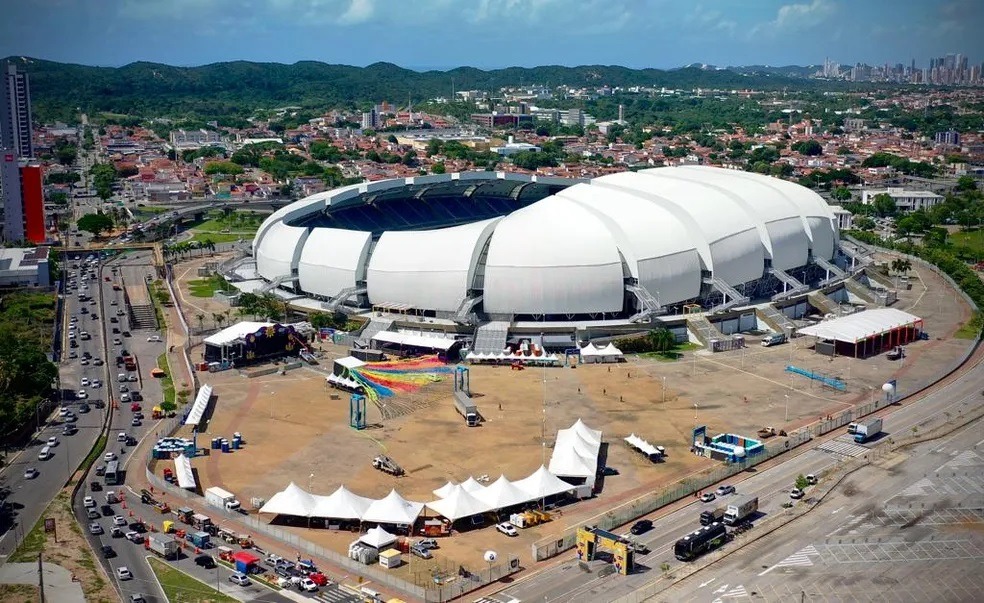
[40, 577]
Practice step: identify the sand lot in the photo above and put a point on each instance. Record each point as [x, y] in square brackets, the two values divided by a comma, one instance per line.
[294, 427]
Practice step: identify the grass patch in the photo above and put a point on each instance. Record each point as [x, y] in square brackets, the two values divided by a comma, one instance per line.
[19, 593]
[32, 545]
[671, 355]
[201, 287]
[167, 383]
[96, 452]
[179, 587]
[971, 239]
[219, 237]
[972, 328]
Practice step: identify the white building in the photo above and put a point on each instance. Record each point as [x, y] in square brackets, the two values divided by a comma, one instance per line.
[845, 219]
[904, 200]
[194, 138]
[24, 267]
[511, 148]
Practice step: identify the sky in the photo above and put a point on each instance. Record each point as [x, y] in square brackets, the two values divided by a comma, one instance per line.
[442, 34]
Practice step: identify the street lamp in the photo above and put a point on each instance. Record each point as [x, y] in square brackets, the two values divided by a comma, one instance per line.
[664, 390]
[695, 411]
[787, 407]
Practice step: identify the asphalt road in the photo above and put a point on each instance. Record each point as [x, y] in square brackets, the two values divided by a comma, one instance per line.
[568, 582]
[904, 529]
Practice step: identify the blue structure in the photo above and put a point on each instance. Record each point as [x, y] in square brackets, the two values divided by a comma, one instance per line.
[462, 380]
[572, 352]
[357, 411]
[828, 381]
[728, 447]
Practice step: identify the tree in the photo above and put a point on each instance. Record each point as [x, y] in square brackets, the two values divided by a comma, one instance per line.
[901, 265]
[96, 223]
[320, 320]
[884, 205]
[801, 482]
[864, 223]
[841, 194]
[660, 339]
[200, 317]
[228, 168]
[966, 183]
[438, 168]
[808, 147]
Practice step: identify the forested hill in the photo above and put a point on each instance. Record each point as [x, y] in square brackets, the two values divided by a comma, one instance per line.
[224, 88]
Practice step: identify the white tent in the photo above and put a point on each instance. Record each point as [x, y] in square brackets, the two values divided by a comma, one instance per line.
[610, 353]
[643, 446]
[472, 485]
[445, 490]
[377, 538]
[184, 473]
[854, 328]
[575, 452]
[198, 408]
[291, 501]
[591, 435]
[458, 503]
[393, 509]
[541, 484]
[341, 504]
[502, 493]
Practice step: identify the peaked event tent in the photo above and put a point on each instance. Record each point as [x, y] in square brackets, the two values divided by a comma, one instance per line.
[459, 503]
[393, 509]
[292, 500]
[542, 484]
[377, 538]
[575, 452]
[445, 490]
[341, 504]
[471, 484]
[501, 494]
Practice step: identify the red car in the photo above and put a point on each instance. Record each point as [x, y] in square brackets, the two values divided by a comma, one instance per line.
[318, 578]
[134, 407]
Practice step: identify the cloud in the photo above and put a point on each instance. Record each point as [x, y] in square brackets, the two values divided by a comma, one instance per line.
[358, 11]
[796, 17]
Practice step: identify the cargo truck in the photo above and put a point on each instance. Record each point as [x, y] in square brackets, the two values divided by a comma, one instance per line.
[711, 515]
[740, 510]
[200, 522]
[466, 408]
[222, 499]
[867, 430]
[164, 545]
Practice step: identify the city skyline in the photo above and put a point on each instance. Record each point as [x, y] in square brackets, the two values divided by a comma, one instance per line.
[443, 34]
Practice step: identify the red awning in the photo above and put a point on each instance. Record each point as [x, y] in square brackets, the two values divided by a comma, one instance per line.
[245, 557]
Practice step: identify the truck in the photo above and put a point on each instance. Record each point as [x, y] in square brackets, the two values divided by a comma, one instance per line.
[466, 408]
[164, 545]
[740, 510]
[711, 515]
[773, 339]
[222, 499]
[199, 539]
[129, 363]
[866, 430]
[200, 521]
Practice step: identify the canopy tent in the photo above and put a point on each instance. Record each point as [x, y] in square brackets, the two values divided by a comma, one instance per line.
[184, 473]
[575, 452]
[472, 485]
[341, 504]
[643, 446]
[235, 332]
[343, 382]
[591, 353]
[377, 538]
[504, 357]
[445, 490]
[542, 484]
[393, 509]
[415, 340]
[198, 408]
[862, 325]
[502, 493]
[290, 501]
[458, 503]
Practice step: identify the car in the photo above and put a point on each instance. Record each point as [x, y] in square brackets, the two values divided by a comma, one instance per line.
[308, 585]
[97, 382]
[95, 529]
[132, 378]
[113, 319]
[138, 415]
[117, 341]
[641, 527]
[423, 553]
[608, 471]
[98, 362]
[240, 579]
[120, 312]
[707, 497]
[119, 520]
[106, 510]
[811, 479]
[69, 430]
[88, 502]
[124, 398]
[53, 441]
[796, 493]
[137, 598]
[95, 486]
[154, 338]
[100, 470]
[725, 490]
[116, 330]
[126, 333]
[92, 514]
[81, 394]
[31, 473]
[99, 404]
[136, 396]
[135, 407]
[428, 543]
[135, 422]
[123, 573]
[113, 303]
[134, 537]
[318, 578]
[108, 552]
[71, 418]
[124, 389]
[84, 408]
[138, 527]
[205, 561]
[73, 355]
[84, 382]
[116, 532]
[506, 528]
[109, 456]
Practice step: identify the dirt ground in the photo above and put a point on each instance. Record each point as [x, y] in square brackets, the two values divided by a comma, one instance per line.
[297, 430]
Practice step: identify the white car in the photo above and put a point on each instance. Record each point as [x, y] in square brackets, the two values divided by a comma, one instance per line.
[796, 493]
[88, 502]
[31, 473]
[154, 338]
[119, 520]
[96, 383]
[123, 573]
[308, 585]
[81, 394]
[109, 456]
[84, 382]
[507, 529]
[52, 441]
[63, 411]
[239, 579]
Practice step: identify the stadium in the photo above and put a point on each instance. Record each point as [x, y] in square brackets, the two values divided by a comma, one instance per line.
[488, 247]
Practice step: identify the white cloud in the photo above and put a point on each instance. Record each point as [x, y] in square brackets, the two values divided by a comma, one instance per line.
[796, 17]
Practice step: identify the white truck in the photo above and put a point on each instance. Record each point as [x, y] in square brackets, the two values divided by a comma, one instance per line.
[866, 430]
[163, 544]
[740, 510]
[466, 408]
[222, 499]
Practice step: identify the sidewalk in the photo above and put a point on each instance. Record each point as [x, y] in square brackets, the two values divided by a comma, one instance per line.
[58, 584]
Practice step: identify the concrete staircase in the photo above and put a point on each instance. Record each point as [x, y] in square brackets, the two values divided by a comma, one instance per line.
[776, 320]
[792, 285]
[834, 273]
[859, 289]
[703, 330]
[142, 316]
[491, 337]
[823, 303]
[731, 295]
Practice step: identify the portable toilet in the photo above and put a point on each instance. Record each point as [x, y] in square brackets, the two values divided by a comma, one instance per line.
[216, 443]
[235, 443]
[225, 445]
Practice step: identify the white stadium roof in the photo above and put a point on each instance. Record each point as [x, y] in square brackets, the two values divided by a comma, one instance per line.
[566, 253]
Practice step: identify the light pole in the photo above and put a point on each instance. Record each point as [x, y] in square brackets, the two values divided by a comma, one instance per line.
[695, 411]
[664, 390]
[787, 407]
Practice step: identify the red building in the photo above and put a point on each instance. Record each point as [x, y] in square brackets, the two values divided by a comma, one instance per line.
[32, 198]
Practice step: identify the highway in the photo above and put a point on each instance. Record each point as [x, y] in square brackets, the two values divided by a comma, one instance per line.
[566, 581]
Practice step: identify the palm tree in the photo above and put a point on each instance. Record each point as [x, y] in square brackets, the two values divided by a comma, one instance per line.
[660, 339]
[900, 265]
[201, 320]
[218, 318]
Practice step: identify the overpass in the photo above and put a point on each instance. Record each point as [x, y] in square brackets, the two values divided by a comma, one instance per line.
[157, 248]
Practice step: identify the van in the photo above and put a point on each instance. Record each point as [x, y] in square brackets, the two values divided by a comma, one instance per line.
[45, 453]
[774, 339]
[121, 437]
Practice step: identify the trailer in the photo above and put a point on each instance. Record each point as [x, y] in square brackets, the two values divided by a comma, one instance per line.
[164, 545]
[221, 499]
[466, 408]
[867, 430]
[199, 539]
[740, 510]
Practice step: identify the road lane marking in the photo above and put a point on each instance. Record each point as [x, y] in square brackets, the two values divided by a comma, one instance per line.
[703, 584]
[836, 511]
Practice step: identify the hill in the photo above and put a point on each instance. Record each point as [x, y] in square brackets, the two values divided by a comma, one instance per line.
[236, 88]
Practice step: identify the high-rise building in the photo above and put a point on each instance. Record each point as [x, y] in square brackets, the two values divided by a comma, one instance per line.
[15, 113]
[370, 119]
[10, 194]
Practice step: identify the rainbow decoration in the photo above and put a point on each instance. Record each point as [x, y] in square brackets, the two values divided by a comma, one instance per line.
[385, 379]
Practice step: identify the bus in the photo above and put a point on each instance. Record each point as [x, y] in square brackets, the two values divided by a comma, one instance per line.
[113, 473]
[697, 543]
